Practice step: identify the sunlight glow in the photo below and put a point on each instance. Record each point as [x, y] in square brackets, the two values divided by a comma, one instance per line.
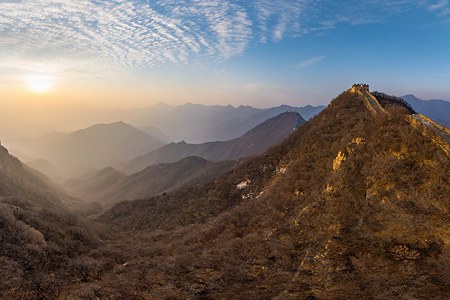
[41, 83]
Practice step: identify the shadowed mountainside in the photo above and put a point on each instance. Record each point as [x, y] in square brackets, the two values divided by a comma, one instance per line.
[109, 186]
[18, 182]
[254, 142]
[40, 238]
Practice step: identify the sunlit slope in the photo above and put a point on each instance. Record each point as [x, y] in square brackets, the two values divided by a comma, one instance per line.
[353, 205]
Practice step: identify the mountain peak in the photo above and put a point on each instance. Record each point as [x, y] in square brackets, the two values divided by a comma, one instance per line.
[360, 87]
[370, 101]
[376, 102]
[119, 123]
[105, 126]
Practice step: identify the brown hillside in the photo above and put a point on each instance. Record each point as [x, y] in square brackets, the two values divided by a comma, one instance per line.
[40, 238]
[353, 205]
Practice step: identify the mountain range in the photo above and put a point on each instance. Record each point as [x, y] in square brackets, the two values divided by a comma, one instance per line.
[97, 146]
[438, 110]
[353, 205]
[254, 142]
[109, 186]
[197, 123]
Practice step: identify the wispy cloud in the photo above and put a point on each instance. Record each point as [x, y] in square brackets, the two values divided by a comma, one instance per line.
[132, 34]
[117, 35]
[275, 19]
[441, 7]
[124, 34]
[310, 62]
[437, 5]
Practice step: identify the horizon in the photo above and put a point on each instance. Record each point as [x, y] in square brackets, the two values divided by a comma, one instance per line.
[61, 60]
[74, 122]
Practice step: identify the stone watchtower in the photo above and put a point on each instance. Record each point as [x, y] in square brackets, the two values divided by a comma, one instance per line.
[360, 87]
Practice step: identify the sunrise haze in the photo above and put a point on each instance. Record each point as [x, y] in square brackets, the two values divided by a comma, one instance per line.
[62, 57]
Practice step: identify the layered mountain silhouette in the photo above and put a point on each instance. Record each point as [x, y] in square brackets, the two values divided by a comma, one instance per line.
[21, 185]
[196, 123]
[90, 184]
[109, 186]
[254, 142]
[98, 146]
[438, 110]
[353, 205]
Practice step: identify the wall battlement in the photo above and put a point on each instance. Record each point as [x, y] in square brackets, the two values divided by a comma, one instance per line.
[360, 87]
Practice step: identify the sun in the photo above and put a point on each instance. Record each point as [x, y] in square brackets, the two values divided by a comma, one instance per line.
[40, 83]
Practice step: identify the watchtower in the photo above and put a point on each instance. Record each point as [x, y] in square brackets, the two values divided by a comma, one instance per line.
[360, 87]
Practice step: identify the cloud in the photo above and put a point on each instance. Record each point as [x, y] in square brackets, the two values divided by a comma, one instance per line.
[123, 34]
[310, 62]
[438, 5]
[133, 34]
[274, 19]
[112, 36]
[441, 7]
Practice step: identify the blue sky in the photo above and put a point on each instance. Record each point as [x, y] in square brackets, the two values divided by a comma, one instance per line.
[261, 52]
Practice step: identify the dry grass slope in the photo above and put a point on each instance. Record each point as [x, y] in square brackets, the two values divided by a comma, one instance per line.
[376, 226]
[353, 205]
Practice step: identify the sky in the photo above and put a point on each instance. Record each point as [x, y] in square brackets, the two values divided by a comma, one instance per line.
[65, 56]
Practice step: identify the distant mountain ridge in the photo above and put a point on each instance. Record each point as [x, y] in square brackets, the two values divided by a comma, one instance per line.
[197, 123]
[254, 142]
[97, 146]
[89, 186]
[438, 110]
[109, 186]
